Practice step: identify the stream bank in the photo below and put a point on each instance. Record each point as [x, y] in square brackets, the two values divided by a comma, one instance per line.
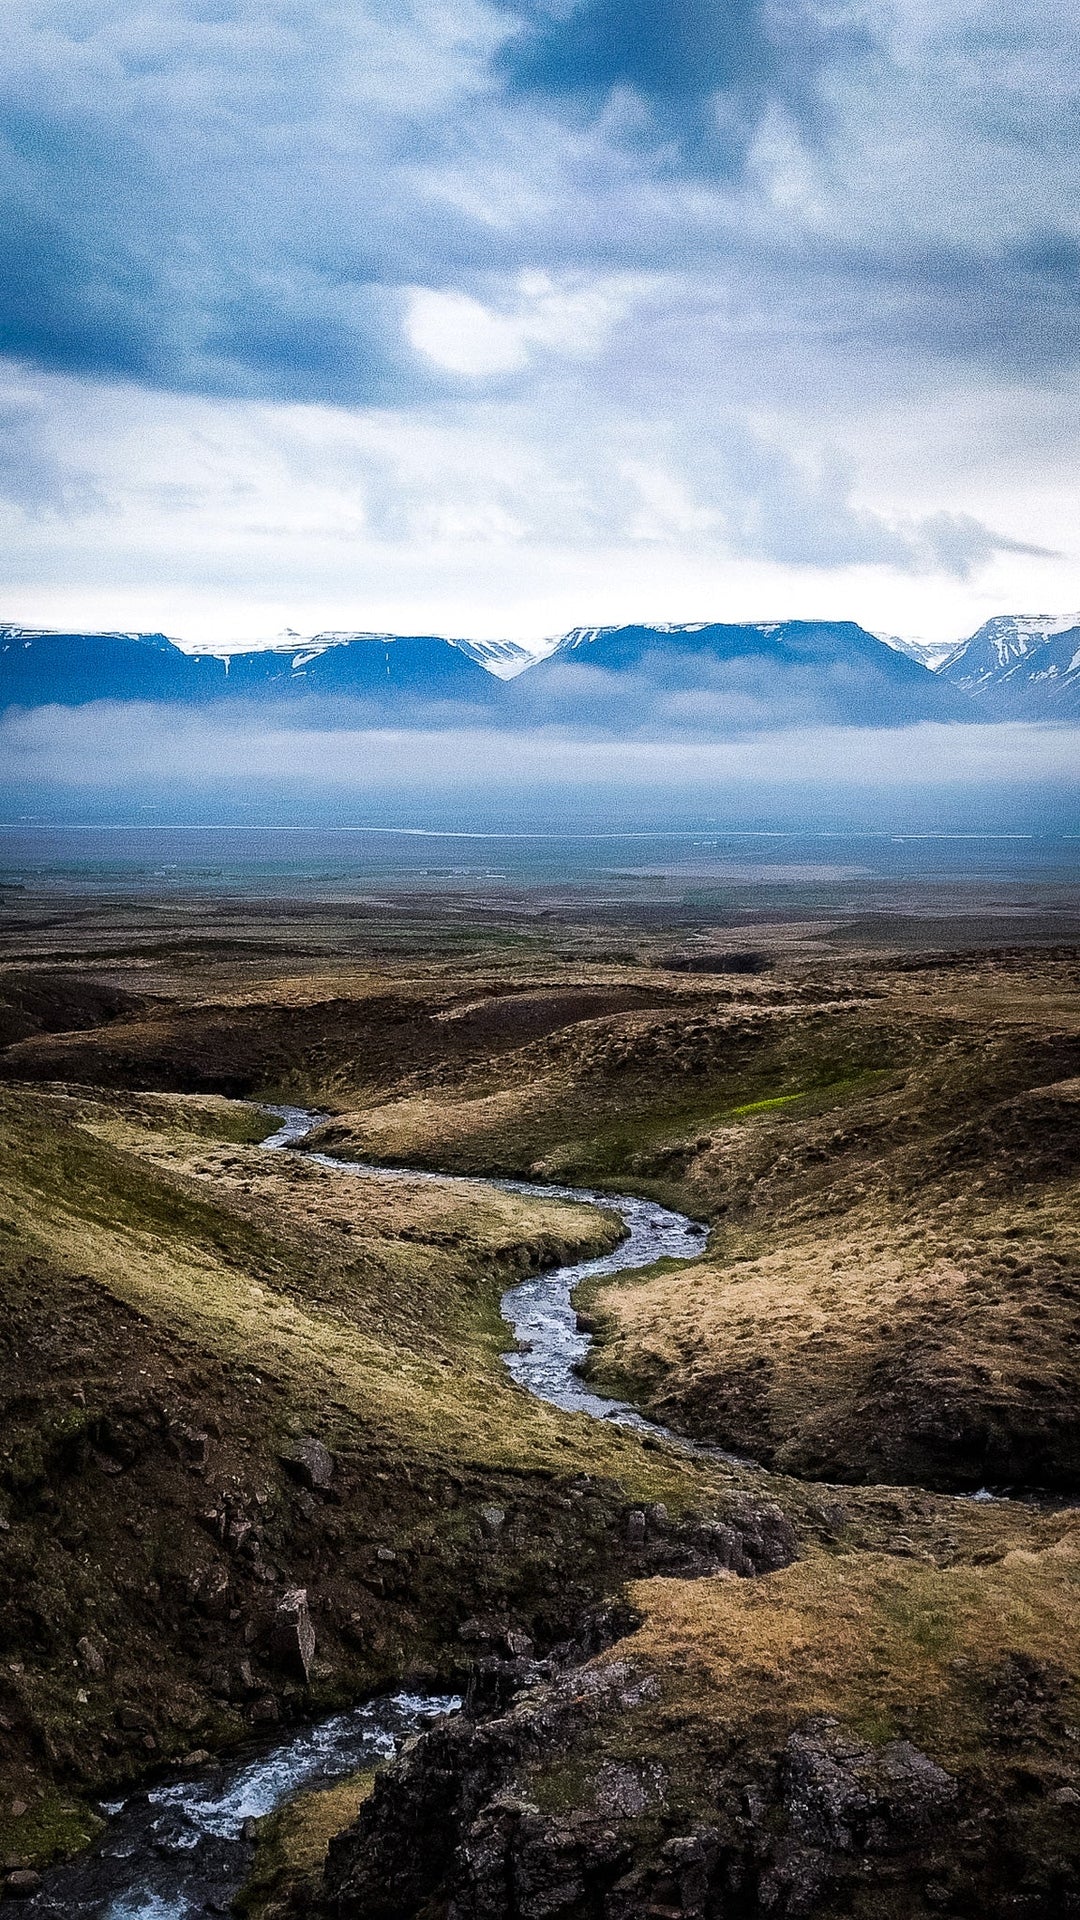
[182, 1848]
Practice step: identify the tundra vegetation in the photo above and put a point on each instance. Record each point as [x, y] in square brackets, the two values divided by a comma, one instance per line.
[819, 1679]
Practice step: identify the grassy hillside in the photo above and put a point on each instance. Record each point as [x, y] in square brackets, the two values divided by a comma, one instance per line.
[182, 1311]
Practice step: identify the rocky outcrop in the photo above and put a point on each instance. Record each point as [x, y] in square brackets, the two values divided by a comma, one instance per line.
[825, 1823]
[445, 1820]
[310, 1462]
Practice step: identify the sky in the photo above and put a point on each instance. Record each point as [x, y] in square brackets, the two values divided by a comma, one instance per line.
[493, 319]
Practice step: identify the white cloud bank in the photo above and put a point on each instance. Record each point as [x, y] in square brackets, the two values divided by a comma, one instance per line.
[111, 746]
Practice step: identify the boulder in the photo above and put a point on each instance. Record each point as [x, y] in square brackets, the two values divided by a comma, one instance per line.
[21, 1884]
[91, 1656]
[292, 1635]
[635, 1527]
[310, 1462]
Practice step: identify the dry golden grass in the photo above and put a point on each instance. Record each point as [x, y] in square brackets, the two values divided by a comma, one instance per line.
[439, 1129]
[923, 1331]
[889, 1646]
[886, 1275]
[377, 1297]
[291, 1847]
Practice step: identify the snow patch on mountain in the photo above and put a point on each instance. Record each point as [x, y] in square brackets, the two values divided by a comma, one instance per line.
[503, 658]
[928, 653]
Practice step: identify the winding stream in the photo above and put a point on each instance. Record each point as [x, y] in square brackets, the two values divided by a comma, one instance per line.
[540, 1310]
[182, 1849]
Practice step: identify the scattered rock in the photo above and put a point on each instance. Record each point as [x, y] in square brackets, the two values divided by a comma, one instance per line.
[193, 1443]
[91, 1656]
[241, 1537]
[475, 1630]
[635, 1528]
[492, 1519]
[243, 1682]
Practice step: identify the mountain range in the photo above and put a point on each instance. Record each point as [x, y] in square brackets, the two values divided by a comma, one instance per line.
[39, 668]
[691, 676]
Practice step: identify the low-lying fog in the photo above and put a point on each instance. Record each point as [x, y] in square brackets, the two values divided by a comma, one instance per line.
[111, 762]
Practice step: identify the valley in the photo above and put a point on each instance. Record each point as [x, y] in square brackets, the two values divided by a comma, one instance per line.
[810, 1649]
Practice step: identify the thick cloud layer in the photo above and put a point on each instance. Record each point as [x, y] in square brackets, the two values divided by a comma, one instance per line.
[398, 299]
[687, 80]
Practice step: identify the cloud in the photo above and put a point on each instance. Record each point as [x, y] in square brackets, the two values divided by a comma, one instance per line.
[760, 498]
[687, 78]
[181, 489]
[144, 763]
[37, 473]
[197, 199]
[463, 336]
[725, 285]
[342, 204]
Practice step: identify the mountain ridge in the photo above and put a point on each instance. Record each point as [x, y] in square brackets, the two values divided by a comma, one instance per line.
[618, 677]
[690, 676]
[697, 674]
[45, 667]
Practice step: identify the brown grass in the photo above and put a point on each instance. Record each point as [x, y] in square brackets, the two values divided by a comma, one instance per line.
[891, 1647]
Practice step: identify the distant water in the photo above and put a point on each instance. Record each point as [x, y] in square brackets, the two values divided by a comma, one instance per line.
[839, 871]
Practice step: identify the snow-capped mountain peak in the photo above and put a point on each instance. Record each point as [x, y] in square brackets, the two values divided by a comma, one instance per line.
[1027, 665]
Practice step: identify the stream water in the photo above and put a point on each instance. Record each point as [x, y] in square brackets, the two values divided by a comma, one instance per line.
[540, 1310]
[182, 1849]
